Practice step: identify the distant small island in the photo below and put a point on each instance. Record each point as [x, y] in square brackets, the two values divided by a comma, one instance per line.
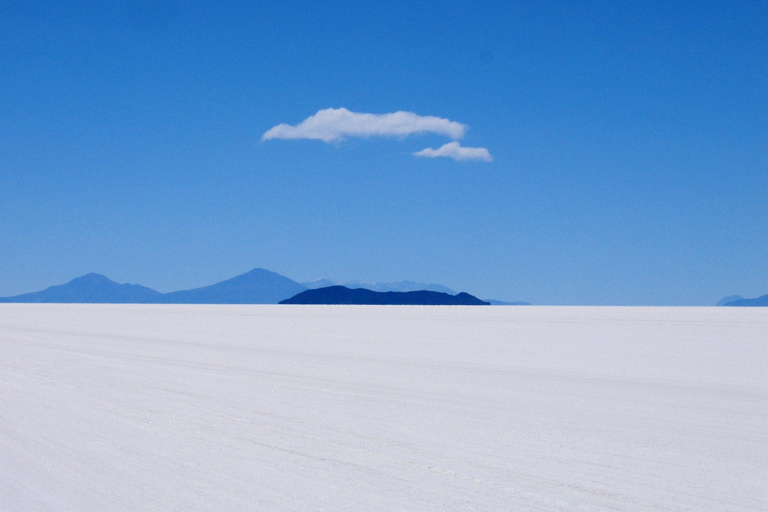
[349, 296]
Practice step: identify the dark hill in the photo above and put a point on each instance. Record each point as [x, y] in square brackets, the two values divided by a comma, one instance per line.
[259, 286]
[758, 302]
[90, 288]
[344, 295]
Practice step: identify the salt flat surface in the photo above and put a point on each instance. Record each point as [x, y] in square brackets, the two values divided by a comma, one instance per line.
[240, 408]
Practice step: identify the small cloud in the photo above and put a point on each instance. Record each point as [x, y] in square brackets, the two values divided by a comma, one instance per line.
[335, 124]
[457, 152]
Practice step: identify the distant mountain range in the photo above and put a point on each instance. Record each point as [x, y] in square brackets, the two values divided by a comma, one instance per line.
[738, 301]
[344, 295]
[259, 286]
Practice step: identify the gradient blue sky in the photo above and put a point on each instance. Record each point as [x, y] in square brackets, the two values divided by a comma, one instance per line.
[630, 146]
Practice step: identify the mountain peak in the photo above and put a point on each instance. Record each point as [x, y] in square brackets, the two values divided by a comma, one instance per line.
[92, 277]
[260, 272]
[257, 286]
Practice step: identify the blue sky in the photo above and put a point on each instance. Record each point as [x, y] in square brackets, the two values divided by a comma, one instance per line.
[629, 146]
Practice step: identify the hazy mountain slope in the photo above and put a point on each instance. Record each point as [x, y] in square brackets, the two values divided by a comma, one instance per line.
[259, 286]
[727, 300]
[90, 288]
[761, 301]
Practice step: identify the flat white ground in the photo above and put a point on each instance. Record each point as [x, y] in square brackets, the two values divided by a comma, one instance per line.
[240, 408]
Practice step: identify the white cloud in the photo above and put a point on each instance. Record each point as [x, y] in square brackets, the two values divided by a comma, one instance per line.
[457, 152]
[334, 124]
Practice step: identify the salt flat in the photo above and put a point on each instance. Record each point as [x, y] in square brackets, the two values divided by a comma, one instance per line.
[240, 408]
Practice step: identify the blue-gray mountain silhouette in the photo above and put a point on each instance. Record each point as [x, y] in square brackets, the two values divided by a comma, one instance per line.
[91, 288]
[258, 286]
[344, 295]
[761, 301]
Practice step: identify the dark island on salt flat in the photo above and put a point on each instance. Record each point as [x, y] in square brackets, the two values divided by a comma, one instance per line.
[343, 295]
